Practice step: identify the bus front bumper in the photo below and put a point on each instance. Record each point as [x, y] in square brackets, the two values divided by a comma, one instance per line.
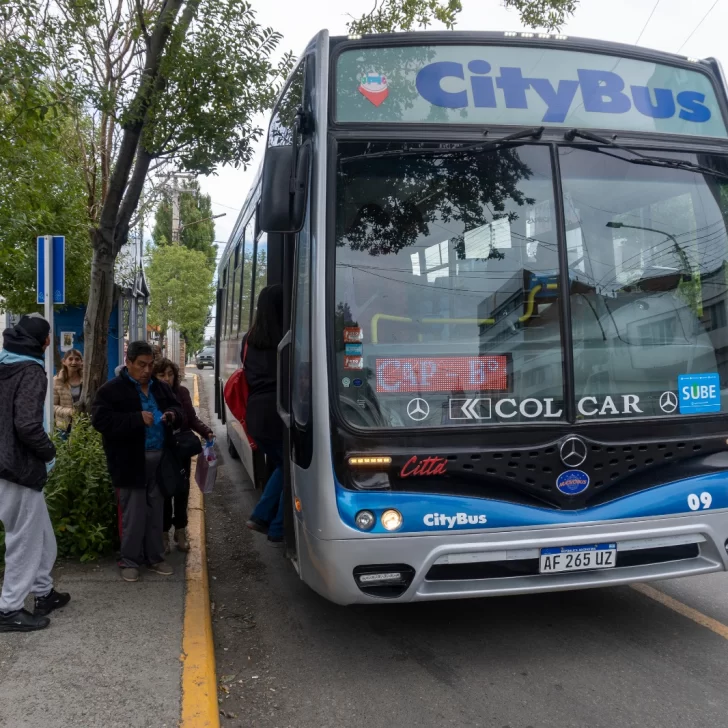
[461, 565]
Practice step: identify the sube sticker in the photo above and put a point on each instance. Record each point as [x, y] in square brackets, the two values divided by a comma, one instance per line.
[698, 393]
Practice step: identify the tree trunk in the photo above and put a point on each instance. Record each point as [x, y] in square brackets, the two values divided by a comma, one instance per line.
[96, 320]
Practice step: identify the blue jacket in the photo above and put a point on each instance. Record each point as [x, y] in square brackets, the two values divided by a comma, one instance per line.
[117, 414]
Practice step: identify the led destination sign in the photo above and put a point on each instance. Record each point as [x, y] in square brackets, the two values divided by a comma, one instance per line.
[443, 374]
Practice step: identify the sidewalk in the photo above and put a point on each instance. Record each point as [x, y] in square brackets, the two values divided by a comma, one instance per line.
[113, 657]
[110, 658]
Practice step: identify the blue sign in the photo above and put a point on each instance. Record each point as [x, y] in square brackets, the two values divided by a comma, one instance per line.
[526, 86]
[698, 393]
[357, 382]
[572, 482]
[59, 269]
[354, 349]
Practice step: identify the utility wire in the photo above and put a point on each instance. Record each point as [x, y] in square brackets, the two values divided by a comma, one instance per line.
[647, 22]
[702, 20]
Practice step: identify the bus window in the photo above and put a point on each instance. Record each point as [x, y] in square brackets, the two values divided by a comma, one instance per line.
[648, 291]
[261, 267]
[235, 290]
[447, 287]
[247, 299]
[301, 366]
[232, 308]
[223, 313]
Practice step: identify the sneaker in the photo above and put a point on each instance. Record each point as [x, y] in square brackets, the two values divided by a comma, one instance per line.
[276, 541]
[130, 574]
[180, 538]
[52, 600]
[255, 524]
[22, 621]
[162, 568]
[165, 542]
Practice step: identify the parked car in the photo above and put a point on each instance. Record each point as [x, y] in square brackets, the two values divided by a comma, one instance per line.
[206, 358]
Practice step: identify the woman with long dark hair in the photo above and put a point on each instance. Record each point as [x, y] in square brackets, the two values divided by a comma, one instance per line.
[260, 361]
[175, 508]
[67, 388]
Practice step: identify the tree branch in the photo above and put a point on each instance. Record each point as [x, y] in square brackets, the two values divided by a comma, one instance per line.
[131, 198]
[133, 127]
[142, 23]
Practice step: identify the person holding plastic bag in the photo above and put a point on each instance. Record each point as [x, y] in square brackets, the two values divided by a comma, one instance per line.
[206, 470]
[260, 352]
[175, 508]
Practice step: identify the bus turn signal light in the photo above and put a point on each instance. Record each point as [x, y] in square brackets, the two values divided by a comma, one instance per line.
[367, 461]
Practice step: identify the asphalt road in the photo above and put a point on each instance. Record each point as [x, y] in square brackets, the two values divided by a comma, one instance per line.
[607, 658]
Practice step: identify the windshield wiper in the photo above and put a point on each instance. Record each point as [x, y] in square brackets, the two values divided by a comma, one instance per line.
[530, 133]
[640, 158]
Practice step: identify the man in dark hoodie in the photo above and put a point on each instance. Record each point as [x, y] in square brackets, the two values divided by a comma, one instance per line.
[26, 457]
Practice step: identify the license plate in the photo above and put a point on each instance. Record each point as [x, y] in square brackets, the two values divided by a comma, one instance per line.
[578, 558]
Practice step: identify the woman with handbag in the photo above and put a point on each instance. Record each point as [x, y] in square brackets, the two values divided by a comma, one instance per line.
[187, 444]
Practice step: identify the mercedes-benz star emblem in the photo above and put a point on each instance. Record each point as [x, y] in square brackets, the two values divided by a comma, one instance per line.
[668, 402]
[573, 452]
[418, 409]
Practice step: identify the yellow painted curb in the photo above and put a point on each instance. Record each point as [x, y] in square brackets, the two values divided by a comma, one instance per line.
[199, 681]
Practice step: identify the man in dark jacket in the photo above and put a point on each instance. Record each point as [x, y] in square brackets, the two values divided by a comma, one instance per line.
[26, 456]
[132, 412]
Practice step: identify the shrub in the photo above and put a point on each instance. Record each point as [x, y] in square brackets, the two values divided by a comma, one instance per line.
[79, 496]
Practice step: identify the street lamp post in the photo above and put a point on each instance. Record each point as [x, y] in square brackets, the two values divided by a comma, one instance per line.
[678, 248]
[694, 277]
[205, 219]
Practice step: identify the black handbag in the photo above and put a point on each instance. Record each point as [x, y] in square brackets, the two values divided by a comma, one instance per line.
[171, 474]
[186, 444]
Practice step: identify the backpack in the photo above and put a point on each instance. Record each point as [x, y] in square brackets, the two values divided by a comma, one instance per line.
[236, 396]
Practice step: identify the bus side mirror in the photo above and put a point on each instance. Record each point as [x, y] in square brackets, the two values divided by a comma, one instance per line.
[284, 187]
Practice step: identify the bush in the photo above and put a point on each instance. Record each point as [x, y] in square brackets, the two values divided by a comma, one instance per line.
[79, 495]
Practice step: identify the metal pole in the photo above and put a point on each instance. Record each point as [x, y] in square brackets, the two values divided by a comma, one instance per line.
[175, 211]
[48, 310]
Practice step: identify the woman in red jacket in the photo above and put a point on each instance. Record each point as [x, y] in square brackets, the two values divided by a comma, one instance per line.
[175, 508]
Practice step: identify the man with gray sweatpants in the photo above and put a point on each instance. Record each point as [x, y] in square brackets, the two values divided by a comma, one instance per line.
[26, 456]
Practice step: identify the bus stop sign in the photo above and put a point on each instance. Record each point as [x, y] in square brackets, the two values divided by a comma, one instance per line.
[59, 269]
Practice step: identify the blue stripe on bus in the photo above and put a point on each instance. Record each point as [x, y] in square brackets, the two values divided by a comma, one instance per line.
[424, 512]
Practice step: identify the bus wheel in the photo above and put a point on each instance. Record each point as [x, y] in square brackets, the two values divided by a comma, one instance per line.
[231, 449]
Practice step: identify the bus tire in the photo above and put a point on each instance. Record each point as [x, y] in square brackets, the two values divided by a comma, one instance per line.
[231, 449]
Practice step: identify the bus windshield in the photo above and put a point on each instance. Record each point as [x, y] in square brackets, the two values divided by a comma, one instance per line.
[447, 288]
[647, 254]
[448, 292]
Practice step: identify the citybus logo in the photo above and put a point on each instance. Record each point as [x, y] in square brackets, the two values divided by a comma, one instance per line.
[602, 92]
[433, 520]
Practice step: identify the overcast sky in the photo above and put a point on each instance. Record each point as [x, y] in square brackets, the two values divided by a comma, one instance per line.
[668, 29]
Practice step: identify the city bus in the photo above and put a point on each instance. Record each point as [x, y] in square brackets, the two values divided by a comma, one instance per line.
[504, 262]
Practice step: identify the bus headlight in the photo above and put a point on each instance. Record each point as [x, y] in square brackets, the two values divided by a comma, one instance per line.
[365, 520]
[391, 519]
